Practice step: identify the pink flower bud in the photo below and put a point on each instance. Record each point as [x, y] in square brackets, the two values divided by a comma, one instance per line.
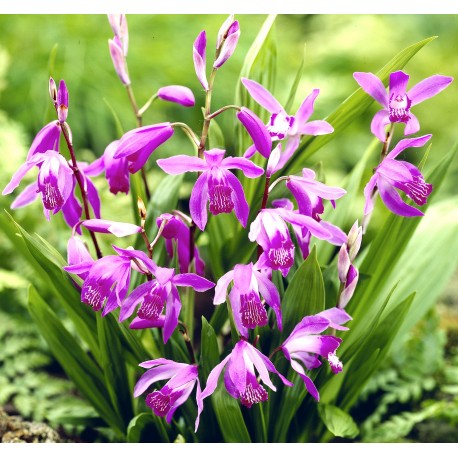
[119, 60]
[229, 44]
[177, 94]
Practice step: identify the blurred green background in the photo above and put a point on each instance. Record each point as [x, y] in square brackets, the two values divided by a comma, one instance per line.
[75, 48]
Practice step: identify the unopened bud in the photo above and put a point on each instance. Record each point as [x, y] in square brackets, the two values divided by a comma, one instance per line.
[355, 237]
[53, 90]
[62, 102]
[222, 34]
[141, 210]
[343, 263]
[229, 44]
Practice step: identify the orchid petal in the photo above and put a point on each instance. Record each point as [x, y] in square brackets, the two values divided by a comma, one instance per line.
[407, 143]
[113, 227]
[306, 109]
[212, 380]
[27, 196]
[368, 190]
[379, 121]
[373, 86]
[194, 281]
[428, 88]
[139, 323]
[198, 201]
[262, 96]
[172, 312]
[394, 202]
[316, 128]
[412, 125]
[181, 163]
[398, 82]
[249, 169]
[241, 208]
[221, 287]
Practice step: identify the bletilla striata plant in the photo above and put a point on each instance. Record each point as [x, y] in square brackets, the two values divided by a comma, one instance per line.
[261, 330]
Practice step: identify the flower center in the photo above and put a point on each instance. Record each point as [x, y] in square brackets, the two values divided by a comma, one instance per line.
[253, 394]
[279, 125]
[94, 294]
[152, 306]
[252, 311]
[335, 363]
[220, 199]
[399, 108]
[282, 256]
[52, 198]
[159, 402]
[418, 190]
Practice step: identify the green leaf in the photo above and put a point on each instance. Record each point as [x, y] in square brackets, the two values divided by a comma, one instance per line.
[337, 421]
[295, 85]
[80, 368]
[146, 427]
[209, 356]
[353, 107]
[114, 367]
[299, 301]
[48, 263]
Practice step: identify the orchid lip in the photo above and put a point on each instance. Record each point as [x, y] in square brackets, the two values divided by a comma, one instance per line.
[220, 197]
[159, 402]
[252, 311]
[399, 108]
[253, 395]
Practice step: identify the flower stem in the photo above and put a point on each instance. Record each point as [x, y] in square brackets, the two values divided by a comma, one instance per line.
[206, 126]
[79, 180]
[184, 331]
[263, 206]
[222, 110]
[139, 116]
[188, 131]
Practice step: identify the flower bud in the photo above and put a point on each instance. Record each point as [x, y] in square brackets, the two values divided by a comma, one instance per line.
[229, 44]
[257, 131]
[177, 94]
[62, 102]
[118, 24]
[343, 263]
[53, 90]
[200, 62]
[223, 31]
[119, 60]
[354, 240]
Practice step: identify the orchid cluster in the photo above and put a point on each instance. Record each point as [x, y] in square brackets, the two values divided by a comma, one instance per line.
[280, 232]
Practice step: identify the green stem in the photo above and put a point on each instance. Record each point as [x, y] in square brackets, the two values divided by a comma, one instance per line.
[222, 110]
[139, 117]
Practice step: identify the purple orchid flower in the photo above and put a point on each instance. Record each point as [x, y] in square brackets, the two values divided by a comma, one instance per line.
[216, 184]
[116, 170]
[249, 284]
[270, 232]
[240, 378]
[176, 230]
[162, 291]
[107, 279]
[397, 102]
[283, 126]
[55, 182]
[47, 139]
[182, 379]
[137, 145]
[391, 175]
[177, 94]
[199, 57]
[304, 345]
[228, 36]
